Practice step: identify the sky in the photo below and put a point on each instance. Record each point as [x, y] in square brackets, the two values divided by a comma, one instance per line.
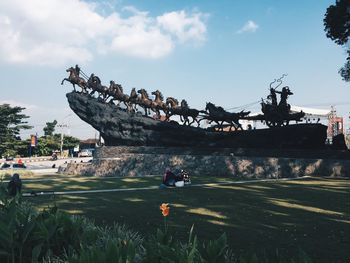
[226, 52]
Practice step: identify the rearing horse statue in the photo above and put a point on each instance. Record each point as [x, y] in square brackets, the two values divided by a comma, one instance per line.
[116, 91]
[145, 102]
[94, 83]
[133, 99]
[174, 108]
[158, 103]
[75, 79]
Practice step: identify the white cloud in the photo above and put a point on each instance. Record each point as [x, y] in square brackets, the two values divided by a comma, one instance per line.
[57, 32]
[185, 27]
[250, 26]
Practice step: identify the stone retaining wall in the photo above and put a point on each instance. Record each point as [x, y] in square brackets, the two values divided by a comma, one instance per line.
[121, 161]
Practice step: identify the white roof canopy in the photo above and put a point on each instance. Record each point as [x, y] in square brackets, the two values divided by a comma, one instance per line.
[311, 112]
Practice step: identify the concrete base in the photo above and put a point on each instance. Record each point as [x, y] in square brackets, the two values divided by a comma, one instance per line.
[143, 161]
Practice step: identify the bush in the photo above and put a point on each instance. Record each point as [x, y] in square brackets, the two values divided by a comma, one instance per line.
[27, 235]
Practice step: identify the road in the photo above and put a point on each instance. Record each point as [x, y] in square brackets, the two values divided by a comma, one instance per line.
[45, 164]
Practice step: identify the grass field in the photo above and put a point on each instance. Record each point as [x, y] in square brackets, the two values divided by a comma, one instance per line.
[312, 214]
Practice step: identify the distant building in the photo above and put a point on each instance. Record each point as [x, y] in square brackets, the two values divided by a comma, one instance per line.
[327, 117]
[88, 144]
[313, 115]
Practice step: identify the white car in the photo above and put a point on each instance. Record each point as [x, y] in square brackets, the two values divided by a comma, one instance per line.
[85, 153]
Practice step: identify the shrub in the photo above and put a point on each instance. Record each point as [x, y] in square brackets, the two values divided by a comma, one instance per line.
[27, 235]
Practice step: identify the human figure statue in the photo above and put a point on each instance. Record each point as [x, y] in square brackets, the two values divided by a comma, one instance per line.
[77, 70]
[15, 185]
[273, 97]
[284, 96]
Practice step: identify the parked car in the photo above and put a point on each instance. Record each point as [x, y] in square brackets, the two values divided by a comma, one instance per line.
[15, 166]
[85, 153]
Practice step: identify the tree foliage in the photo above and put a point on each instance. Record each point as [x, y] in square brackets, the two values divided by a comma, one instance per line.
[48, 144]
[337, 27]
[12, 121]
[49, 129]
[70, 142]
[51, 141]
[345, 70]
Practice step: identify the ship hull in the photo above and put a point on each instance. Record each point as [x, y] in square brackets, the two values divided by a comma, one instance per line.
[119, 127]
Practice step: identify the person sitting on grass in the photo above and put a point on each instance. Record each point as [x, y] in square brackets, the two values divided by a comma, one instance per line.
[169, 178]
[185, 177]
[15, 185]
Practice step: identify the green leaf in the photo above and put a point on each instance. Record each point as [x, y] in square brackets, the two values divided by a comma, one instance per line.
[36, 253]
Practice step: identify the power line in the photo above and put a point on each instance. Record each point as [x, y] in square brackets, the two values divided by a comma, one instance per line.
[245, 106]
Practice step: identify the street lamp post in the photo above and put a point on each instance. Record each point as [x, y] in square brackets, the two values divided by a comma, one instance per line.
[62, 126]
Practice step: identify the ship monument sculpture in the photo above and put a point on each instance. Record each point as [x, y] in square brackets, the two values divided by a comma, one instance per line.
[143, 118]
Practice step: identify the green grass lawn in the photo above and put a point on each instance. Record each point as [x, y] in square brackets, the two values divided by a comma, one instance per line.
[311, 214]
[6, 174]
[53, 183]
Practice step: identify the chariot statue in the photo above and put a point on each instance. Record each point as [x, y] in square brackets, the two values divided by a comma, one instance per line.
[278, 114]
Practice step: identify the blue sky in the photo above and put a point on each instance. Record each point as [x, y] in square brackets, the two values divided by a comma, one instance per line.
[226, 52]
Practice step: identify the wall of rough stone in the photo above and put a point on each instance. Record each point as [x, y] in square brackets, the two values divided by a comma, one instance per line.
[126, 161]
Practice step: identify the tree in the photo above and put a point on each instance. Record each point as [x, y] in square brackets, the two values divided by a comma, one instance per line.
[50, 128]
[337, 27]
[11, 123]
[69, 142]
[48, 144]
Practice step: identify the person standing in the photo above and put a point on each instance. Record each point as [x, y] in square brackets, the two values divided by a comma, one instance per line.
[15, 185]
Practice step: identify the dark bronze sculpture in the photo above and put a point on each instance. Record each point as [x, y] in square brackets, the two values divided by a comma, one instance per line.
[125, 126]
[94, 83]
[158, 103]
[276, 115]
[116, 92]
[133, 99]
[174, 108]
[118, 126]
[75, 79]
[190, 112]
[218, 115]
[145, 102]
[183, 110]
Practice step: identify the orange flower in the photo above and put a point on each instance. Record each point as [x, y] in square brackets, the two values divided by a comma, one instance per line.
[165, 209]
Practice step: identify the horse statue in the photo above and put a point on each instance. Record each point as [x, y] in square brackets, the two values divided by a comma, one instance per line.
[133, 99]
[145, 102]
[158, 103]
[188, 112]
[94, 83]
[75, 79]
[183, 111]
[116, 92]
[173, 108]
[218, 115]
